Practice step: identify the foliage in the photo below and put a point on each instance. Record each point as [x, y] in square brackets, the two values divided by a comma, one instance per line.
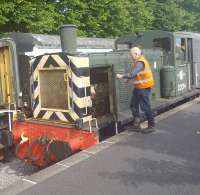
[28, 16]
[105, 18]
[170, 16]
[193, 7]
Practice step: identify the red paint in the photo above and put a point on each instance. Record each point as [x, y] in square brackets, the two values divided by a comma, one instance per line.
[77, 140]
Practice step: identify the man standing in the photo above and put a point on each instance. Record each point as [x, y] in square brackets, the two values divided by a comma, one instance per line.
[142, 77]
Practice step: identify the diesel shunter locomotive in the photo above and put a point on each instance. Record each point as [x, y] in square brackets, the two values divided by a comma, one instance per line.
[61, 102]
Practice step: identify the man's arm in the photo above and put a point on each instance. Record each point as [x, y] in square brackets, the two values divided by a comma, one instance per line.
[139, 67]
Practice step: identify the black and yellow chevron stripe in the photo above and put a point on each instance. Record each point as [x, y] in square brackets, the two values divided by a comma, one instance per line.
[79, 87]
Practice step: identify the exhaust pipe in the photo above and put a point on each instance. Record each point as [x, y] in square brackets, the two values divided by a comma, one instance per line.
[68, 38]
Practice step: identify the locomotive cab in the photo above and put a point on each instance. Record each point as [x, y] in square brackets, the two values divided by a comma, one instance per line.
[180, 70]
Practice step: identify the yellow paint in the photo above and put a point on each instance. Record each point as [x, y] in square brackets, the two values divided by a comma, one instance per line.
[80, 62]
[6, 75]
[66, 79]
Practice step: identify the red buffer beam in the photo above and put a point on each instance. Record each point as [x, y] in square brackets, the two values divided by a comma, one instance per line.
[44, 144]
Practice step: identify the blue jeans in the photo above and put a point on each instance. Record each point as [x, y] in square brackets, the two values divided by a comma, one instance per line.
[140, 98]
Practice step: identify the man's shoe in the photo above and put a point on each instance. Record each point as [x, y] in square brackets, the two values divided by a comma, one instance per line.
[148, 130]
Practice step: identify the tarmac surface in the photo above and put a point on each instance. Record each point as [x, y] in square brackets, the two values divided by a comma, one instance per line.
[166, 162]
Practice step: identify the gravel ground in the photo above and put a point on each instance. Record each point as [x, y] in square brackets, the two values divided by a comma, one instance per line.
[14, 170]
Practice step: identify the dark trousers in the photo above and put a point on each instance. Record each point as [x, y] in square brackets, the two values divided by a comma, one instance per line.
[140, 98]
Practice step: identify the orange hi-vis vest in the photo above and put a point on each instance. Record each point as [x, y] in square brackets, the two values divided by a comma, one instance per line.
[144, 79]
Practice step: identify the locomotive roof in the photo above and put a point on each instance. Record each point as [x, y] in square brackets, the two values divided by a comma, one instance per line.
[25, 42]
[188, 34]
[132, 37]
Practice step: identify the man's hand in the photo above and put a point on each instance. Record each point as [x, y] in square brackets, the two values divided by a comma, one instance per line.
[119, 76]
[126, 80]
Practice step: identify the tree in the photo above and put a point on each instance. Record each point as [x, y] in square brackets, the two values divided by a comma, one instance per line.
[193, 7]
[107, 18]
[29, 16]
[170, 16]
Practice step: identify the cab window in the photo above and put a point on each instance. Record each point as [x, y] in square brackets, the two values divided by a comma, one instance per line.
[163, 43]
[180, 50]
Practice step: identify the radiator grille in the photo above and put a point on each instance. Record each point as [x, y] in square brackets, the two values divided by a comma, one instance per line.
[53, 88]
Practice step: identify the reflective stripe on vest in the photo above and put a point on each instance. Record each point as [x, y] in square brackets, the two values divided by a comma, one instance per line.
[144, 79]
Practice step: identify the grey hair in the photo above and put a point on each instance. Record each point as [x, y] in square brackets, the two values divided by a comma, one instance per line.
[136, 50]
